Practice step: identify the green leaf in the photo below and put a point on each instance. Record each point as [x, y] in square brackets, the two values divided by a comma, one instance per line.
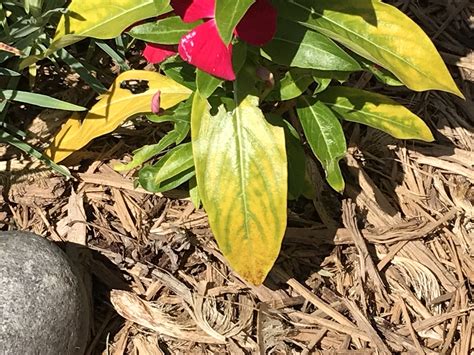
[206, 83]
[38, 100]
[180, 114]
[379, 32]
[295, 156]
[228, 15]
[180, 72]
[381, 74]
[323, 84]
[102, 19]
[296, 46]
[194, 192]
[147, 152]
[294, 83]
[6, 137]
[325, 137]
[172, 170]
[241, 171]
[377, 111]
[166, 31]
[8, 72]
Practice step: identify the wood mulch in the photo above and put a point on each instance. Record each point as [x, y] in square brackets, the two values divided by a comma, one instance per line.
[387, 267]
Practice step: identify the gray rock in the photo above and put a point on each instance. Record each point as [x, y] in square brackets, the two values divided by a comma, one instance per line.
[43, 304]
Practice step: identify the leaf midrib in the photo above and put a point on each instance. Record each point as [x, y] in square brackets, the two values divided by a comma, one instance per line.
[356, 34]
[233, 15]
[367, 113]
[240, 149]
[331, 156]
[110, 19]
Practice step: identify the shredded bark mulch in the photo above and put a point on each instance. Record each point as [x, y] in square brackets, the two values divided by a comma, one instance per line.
[387, 267]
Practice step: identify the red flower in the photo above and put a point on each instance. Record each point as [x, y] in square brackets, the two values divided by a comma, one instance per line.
[156, 53]
[203, 46]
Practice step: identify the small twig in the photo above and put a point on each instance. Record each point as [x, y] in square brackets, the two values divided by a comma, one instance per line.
[406, 316]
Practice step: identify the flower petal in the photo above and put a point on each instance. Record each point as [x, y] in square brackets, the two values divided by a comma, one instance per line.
[156, 53]
[204, 48]
[155, 102]
[193, 10]
[258, 26]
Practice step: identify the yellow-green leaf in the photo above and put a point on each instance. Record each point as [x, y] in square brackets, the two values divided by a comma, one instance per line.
[377, 111]
[102, 19]
[113, 109]
[380, 33]
[241, 170]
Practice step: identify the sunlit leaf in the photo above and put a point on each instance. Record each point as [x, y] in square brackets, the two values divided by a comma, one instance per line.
[38, 100]
[295, 156]
[194, 192]
[206, 83]
[377, 111]
[147, 152]
[6, 137]
[325, 137]
[379, 32]
[241, 171]
[102, 19]
[165, 31]
[228, 15]
[113, 109]
[293, 84]
[297, 46]
[172, 170]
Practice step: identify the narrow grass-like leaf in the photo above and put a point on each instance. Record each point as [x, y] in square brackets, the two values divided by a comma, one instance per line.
[81, 69]
[5, 137]
[119, 59]
[39, 100]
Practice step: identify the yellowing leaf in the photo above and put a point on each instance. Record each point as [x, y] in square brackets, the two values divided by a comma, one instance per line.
[102, 19]
[377, 111]
[113, 109]
[378, 32]
[241, 170]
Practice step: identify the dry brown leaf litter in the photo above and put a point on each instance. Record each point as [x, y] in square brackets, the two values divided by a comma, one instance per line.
[386, 268]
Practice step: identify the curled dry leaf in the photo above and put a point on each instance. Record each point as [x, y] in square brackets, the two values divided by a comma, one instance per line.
[155, 317]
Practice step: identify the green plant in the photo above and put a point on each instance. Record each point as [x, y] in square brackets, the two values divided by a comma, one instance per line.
[244, 157]
[24, 30]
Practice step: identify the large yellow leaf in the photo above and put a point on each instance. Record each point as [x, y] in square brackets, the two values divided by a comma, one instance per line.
[113, 109]
[102, 19]
[378, 32]
[241, 170]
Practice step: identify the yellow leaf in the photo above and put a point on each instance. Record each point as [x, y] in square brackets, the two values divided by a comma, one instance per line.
[241, 170]
[102, 19]
[377, 111]
[113, 109]
[379, 32]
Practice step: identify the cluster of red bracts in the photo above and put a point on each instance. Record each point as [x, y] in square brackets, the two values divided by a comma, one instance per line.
[203, 46]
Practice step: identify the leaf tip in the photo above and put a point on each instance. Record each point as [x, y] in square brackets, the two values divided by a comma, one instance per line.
[427, 136]
[255, 277]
